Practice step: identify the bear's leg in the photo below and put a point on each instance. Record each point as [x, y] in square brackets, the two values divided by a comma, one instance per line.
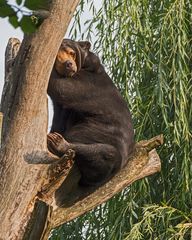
[96, 162]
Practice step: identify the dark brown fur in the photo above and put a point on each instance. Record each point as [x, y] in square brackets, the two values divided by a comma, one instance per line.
[91, 115]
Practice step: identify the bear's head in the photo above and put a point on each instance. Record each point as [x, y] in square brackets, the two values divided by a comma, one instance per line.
[71, 57]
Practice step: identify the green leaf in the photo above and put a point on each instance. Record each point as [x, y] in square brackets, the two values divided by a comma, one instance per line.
[36, 4]
[3, 3]
[19, 2]
[6, 11]
[27, 24]
[14, 21]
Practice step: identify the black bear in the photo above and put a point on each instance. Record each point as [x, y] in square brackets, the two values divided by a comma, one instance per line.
[90, 116]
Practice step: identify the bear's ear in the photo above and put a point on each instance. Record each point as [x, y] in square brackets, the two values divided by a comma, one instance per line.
[84, 45]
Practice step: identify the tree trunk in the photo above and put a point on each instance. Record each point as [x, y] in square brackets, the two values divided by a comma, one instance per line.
[24, 105]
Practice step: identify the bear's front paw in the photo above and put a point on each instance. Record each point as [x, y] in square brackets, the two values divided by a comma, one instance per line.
[57, 144]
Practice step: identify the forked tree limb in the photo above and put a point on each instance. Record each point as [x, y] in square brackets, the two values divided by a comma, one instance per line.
[78, 200]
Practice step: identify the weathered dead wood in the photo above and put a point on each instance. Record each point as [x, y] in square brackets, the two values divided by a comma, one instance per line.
[24, 105]
[72, 201]
[10, 54]
[1, 123]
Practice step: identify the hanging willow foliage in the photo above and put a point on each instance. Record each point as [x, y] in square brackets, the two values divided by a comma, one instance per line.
[146, 47]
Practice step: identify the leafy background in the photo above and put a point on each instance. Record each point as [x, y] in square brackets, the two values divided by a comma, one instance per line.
[21, 13]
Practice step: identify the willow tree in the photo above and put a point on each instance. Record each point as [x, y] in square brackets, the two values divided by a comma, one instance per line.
[146, 46]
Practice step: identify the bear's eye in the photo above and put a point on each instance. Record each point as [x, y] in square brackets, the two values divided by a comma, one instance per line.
[72, 54]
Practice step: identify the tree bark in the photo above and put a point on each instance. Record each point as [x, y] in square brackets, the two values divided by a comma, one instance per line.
[24, 105]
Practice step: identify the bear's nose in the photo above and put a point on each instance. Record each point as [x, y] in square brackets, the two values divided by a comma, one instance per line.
[68, 64]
